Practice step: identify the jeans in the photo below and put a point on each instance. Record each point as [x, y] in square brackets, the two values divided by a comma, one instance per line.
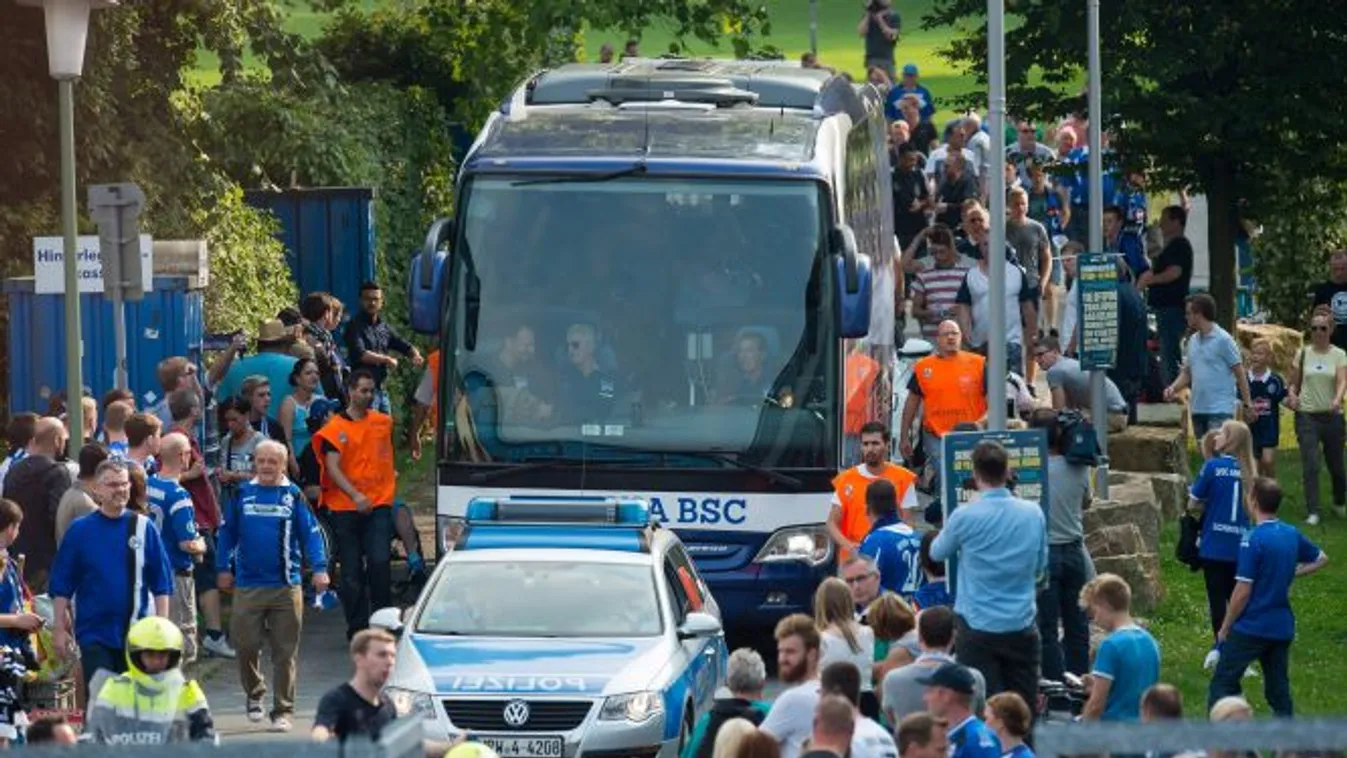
[1220, 580]
[1207, 422]
[1313, 432]
[364, 551]
[1060, 604]
[381, 403]
[1008, 660]
[1237, 653]
[96, 657]
[1171, 324]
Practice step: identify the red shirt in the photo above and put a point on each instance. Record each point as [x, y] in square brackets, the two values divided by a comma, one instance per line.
[204, 502]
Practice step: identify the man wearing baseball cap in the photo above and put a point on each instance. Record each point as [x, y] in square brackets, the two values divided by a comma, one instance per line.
[909, 86]
[949, 697]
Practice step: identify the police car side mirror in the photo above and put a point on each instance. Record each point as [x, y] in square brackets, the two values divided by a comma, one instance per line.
[387, 619]
[698, 625]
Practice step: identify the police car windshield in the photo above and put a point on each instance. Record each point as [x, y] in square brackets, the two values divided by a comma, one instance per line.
[543, 599]
[643, 314]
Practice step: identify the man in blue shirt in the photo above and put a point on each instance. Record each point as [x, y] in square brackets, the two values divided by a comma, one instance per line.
[1128, 661]
[891, 542]
[1214, 368]
[1002, 548]
[113, 566]
[1259, 625]
[909, 86]
[268, 533]
[170, 506]
[949, 695]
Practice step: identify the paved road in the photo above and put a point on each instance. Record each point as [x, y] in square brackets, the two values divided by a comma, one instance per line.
[323, 664]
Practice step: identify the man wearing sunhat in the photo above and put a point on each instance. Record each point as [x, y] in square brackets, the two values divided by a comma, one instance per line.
[274, 359]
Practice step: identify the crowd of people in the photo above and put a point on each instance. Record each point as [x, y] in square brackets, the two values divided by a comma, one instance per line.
[228, 483]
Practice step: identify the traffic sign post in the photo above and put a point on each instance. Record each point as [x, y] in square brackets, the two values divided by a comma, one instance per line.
[116, 209]
[1028, 453]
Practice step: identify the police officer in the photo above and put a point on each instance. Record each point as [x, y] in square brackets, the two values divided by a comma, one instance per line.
[152, 703]
[586, 390]
[268, 533]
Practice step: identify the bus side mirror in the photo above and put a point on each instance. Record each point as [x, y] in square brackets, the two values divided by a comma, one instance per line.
[853, 282]
[426, 279]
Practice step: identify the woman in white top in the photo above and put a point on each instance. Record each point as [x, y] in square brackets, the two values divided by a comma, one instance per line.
[843, 638]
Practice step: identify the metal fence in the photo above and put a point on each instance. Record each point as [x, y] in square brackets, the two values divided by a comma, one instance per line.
[401, 739]
[1277, 736]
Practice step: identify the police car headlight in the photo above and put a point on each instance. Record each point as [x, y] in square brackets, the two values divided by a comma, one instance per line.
[411, 702]
[809, 544]
[635, 707]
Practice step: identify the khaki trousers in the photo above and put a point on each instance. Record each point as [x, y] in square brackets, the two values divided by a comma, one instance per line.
[182, 612]
[276, 614]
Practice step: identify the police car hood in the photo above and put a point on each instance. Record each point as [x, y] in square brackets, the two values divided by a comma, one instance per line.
[508, 665]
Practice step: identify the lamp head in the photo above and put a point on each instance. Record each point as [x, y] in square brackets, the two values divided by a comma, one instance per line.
[67, 32]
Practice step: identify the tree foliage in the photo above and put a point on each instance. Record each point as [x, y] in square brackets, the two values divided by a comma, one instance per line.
[1203, 94]
[1291, 255]
[249, 278]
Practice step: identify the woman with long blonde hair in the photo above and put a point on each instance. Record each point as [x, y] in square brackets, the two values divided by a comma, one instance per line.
[842, 637]
[1220, 495]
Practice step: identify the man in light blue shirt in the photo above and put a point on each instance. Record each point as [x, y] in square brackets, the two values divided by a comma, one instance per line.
[1213, 367]
[1002, 548]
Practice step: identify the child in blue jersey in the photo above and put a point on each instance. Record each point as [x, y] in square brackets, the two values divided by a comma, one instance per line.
[1128, 661]
[269, 533]
[1267, 389]
[934, 591]
[892, 543]
[1219, 495]
[170, 507]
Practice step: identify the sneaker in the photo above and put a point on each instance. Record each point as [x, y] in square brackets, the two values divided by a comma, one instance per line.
[1312, 519]
[1251, 672]
[1213, 657]
[281, 724]
[218, 647]
[255, 712]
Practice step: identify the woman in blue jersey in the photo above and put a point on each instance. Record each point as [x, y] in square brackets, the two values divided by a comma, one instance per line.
[1219, 494]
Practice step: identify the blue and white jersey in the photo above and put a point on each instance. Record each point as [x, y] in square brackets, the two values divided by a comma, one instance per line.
[896, 550]
[269, 532]
[170, 507]
[1224, 517]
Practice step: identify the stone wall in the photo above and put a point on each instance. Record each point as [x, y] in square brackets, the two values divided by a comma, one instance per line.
[1122, 533]
[1149, 449]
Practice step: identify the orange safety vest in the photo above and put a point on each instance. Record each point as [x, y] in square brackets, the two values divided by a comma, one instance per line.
[433, 366]
[953, 390]
[366, 449]
[850, 486]
[861, 372]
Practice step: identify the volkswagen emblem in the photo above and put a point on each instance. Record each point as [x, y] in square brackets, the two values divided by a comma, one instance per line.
[516, 713]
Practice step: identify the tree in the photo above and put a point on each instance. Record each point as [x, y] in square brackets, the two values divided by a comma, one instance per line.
[1205, 94]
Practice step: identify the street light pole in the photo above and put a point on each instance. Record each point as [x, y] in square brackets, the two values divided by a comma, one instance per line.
[996, 249]
[74, 372]
[1098, 401]
[813, 26]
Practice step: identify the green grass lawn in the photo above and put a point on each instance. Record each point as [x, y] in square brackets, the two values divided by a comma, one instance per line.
[839, 45]
[1181, 624]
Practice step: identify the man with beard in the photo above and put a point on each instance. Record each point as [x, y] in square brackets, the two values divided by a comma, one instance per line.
[797, 650]
[847, 521]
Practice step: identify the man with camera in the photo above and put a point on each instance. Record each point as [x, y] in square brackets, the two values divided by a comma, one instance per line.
[880, 27]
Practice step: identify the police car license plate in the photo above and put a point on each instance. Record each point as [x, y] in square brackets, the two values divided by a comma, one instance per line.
[524, 747]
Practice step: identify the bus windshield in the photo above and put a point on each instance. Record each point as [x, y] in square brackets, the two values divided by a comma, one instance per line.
[670, 322]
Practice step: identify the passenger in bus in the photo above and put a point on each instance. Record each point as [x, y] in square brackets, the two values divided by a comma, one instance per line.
[522, 391]
[586, 393]
[748, 382]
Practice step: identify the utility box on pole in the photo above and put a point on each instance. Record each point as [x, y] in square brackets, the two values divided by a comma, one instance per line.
[116, 209]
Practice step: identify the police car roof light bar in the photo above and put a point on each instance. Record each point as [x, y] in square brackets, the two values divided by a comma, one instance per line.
[559, 511]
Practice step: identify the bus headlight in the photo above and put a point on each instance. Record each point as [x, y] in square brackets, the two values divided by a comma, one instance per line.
[810, 544]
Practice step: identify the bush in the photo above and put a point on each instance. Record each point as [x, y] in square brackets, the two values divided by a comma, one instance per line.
[249, 279]
[1290, 257]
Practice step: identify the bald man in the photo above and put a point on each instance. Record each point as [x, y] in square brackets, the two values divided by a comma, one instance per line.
[834, 726]
[171, 509]
[37, 484]
[950, 386]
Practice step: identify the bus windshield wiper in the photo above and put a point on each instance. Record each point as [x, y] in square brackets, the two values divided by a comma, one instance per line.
[538, 464]
[636, 169]
[776, 476]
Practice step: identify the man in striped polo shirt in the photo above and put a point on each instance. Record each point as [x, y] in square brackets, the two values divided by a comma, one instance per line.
[938, 279]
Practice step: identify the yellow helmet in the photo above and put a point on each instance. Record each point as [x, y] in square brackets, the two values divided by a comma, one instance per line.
[153, 634]
[470, 750]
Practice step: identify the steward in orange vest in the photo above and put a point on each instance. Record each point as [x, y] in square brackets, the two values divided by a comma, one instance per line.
[847, 520]
[950, 386]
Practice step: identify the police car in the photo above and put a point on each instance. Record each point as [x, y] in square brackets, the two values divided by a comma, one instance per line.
[560, 628]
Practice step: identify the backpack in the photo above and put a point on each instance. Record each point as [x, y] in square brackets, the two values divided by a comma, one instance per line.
[1082, 445]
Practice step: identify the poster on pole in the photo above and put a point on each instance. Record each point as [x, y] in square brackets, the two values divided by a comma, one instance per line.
[1028, 452]
[49, 264]
[1097, 290]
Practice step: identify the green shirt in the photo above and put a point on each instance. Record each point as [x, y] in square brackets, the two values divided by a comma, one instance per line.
[1318, 377]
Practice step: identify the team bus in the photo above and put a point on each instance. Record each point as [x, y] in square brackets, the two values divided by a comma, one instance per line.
[655, 280]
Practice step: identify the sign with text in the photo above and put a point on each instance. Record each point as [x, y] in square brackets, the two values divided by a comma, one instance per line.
[49, 264]
[1097, 288]
[1028, 452]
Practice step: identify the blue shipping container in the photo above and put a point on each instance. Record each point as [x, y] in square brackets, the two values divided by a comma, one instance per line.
[169, 321]
[328, 235]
